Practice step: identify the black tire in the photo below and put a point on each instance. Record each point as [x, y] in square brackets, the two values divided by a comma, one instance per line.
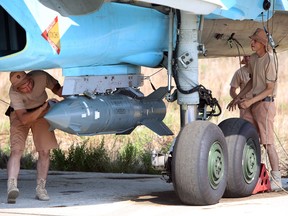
[244, 156]
[199, 164]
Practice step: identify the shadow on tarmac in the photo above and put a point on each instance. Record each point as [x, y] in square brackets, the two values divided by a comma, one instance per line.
[76, 189]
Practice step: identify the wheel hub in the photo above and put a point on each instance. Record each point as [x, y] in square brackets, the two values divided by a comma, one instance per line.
[215, 165]
[249, 161]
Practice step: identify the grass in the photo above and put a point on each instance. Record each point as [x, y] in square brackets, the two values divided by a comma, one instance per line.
[131, 153]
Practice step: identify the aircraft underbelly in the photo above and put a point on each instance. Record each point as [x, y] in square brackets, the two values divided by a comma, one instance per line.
[106, 37]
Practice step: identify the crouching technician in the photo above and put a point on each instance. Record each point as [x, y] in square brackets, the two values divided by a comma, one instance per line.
[28, 105]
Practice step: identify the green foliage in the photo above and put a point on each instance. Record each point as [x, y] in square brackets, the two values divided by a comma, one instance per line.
[28, 161]
[97, 159]
[147, 164]
[6, 149]
[58, 160]
[131, 158]
[83, 158]
[128, 160]
[76, 157]
[3, 160]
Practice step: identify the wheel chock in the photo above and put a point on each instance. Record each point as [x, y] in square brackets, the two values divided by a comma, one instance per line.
[263, 183]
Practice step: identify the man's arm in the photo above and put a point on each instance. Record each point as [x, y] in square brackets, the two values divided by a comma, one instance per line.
[26, 117]
[57, 89]
[232, 92]
[268, 91]
[232, 105]
[245, 90]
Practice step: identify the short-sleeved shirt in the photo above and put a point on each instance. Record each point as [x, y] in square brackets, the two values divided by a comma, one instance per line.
[263, 71]
[240, 79]
[262, 113]
[38, 96]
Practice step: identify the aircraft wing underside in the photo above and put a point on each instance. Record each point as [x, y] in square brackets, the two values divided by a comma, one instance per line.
[222, 37]
[105, 33]
[226, 37]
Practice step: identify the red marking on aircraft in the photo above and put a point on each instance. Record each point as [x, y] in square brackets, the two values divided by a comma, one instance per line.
[51, 34]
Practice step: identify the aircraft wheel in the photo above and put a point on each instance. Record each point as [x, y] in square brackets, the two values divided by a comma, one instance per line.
[244, 156]
[199, 164]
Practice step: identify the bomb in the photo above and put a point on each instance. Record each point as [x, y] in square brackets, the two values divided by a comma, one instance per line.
[109, 114]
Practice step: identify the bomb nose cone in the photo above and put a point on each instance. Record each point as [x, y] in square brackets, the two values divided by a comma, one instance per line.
[58, 116]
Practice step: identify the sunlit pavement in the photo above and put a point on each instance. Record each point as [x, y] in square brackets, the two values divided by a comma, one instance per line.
[80, 193]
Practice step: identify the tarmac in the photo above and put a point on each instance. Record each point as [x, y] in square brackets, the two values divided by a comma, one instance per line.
[103, 194]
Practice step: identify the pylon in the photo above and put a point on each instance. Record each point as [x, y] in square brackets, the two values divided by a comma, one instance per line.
[263, 183]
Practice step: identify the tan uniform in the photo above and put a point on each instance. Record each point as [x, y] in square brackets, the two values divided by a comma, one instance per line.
[262, 113]
[239, 80]
[263, 71]
[42, 137]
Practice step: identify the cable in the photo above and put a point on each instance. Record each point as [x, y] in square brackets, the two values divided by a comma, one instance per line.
[273, 46]
[266, 152]
[175, 62]
[266, 146]
[280, 143]
[266, 143]
[149, 78]
[275, 61]
[231, 40]
[4, 102]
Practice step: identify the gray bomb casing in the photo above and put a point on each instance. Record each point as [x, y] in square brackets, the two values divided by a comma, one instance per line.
[109, 114]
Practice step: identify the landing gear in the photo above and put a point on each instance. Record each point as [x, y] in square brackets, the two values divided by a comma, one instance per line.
[244, 156]
[200, 164]
[211, 161]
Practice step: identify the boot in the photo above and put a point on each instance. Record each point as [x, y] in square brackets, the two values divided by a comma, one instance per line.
[41, 192]
[275, 179]
[12, 190]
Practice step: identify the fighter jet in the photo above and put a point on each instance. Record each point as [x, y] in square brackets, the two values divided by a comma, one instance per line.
[101, 47]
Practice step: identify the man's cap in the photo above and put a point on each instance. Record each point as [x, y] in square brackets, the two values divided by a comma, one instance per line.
[18, 78]
[260, 36]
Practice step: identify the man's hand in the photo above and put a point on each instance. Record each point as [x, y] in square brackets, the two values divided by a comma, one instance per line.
[233, 104]
[44, 109]
[53, 100]
[244, 104]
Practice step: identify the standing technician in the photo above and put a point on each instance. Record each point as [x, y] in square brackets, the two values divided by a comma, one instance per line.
[239, 80]
[260, 109]
[28, 105]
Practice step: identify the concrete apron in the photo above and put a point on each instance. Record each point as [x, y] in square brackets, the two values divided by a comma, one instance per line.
[75, 193]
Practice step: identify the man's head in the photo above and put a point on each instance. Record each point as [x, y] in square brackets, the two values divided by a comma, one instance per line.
[20, 81]
[245, 59]
[260, 36]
